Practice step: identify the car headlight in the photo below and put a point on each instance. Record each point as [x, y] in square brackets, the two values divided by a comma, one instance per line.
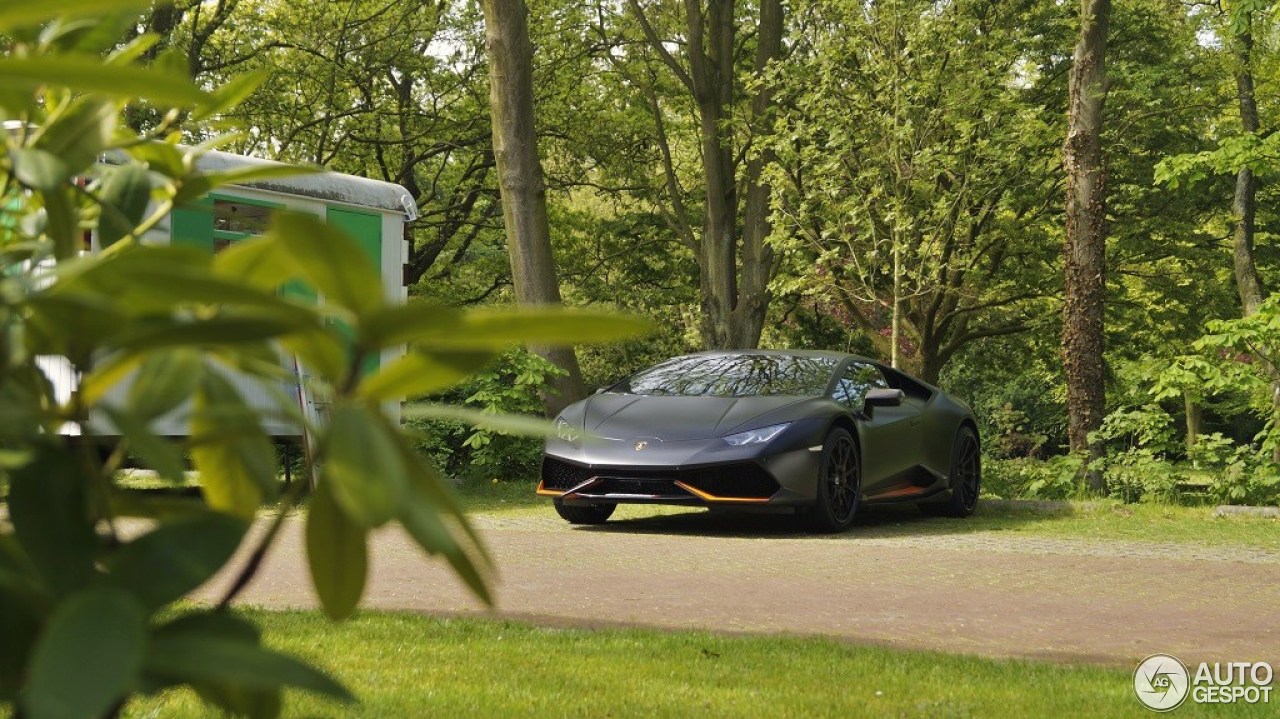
[566, 431]
[756, 436]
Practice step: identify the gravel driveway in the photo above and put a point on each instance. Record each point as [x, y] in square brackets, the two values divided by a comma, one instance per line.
[981, 592]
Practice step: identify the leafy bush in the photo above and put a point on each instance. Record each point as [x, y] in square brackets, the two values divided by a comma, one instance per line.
[1055, 478]
[1013, 436]
[514, 382]
[86, 604]
[1137, 462]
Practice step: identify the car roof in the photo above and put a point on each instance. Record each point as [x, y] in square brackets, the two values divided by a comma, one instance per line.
[831, 354]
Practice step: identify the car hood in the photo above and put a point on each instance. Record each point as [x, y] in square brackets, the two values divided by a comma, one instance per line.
[674, 419]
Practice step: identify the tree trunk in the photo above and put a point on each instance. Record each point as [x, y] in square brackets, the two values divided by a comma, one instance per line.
[757, 255]
[523, 189]
[1195, 419]
[735, 263]
[1086, 235]
[1244, 204]
[1243, 208]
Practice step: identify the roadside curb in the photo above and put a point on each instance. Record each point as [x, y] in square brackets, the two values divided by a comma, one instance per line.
[1237, 510]
[1040, 505]
[1062, 505]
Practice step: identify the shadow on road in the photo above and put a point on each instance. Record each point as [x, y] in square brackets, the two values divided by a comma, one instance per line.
[870, 522]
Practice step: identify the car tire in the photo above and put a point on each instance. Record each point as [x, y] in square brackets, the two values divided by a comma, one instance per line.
[966, 478]
[839, 484]
[585, 513]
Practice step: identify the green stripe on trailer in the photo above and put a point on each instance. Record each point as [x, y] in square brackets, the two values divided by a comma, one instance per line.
[366, 229]
[191, 225]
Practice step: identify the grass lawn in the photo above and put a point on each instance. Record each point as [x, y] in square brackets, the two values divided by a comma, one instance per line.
[406, 665]
[1099, 520]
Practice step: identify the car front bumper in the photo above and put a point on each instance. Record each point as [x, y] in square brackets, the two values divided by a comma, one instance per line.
[734, 478]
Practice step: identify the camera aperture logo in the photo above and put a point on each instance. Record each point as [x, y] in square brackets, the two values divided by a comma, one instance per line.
[1162, 682]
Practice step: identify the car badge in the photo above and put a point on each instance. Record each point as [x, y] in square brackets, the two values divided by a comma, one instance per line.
[641, 445]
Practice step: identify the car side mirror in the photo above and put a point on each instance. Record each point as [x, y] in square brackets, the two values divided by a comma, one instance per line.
[598, 391]
[880, 397]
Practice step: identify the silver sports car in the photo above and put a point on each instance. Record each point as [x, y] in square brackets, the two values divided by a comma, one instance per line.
[817, 432]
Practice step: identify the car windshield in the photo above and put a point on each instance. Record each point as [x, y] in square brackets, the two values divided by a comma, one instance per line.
[733, 376]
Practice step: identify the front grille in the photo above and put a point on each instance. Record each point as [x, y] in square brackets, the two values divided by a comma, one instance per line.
[646, 487]
[562, 475]
[733, 480]
[743, 479]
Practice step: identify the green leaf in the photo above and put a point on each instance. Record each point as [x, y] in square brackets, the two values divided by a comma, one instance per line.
[78, 134]
[236, 459]
[163, 157]
[241, 701]
[88, 73]
[165, 380]
[159, 454]
[321, 352]
[230, 95]
[168, 562]
[105, 375]
[62, 223]
[403, 324]
[217, 657]
[125, 195]
[422, 372]
[508, 423]
[48, 506]
[88, 657]
[19, 624]
[156, 279]
[422, 516]
[496, 329]
[361, 466]
[330, 261]
[19, 14]
[231, 697]
[221, 330]
[198, 185]
[258, 262]
[71, 325]
[133, 49]
[40, 170]
[338, 555]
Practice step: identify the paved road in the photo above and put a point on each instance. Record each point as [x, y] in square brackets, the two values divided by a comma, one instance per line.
[982, 592]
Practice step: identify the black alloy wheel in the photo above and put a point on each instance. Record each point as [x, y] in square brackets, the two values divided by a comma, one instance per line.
[839, 484]
[966, 477]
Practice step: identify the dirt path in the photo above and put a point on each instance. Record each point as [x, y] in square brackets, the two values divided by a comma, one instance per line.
[982, 592]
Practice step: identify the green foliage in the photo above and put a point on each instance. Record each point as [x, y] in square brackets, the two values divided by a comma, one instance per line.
[1013, 436]
[1058, 477]
[1240, 473]
[87, 614]
[512, 383]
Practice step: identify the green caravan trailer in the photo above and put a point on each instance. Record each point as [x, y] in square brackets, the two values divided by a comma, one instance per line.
[371, 211]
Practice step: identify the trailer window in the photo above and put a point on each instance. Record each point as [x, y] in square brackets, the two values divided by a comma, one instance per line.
[240, 218]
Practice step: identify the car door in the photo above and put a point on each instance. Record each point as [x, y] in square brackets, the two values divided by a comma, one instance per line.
[890, 435]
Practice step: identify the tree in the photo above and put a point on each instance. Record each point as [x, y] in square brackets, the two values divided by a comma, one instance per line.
[376, 89]
[735, 262]
[904, 193]
[1084, 257]
[524, 201]
[1244, 204]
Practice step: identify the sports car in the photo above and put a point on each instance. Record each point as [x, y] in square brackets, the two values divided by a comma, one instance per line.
[817, 433]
